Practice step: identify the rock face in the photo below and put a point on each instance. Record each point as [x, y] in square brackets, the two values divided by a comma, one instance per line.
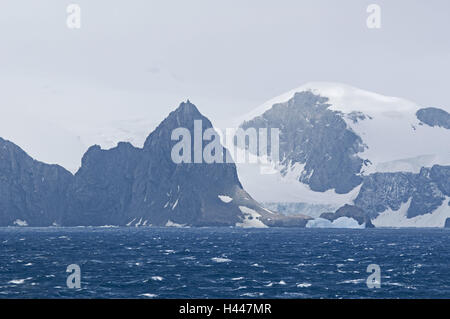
[314, 136]
[434, 117]
[131, 186]
[426, 191]
[31, 192]
[102, 189]
[447, 223]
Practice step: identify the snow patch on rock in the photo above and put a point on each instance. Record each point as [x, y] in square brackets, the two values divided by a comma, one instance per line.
[225, 199]
[398, 218]
[172, 224]
[251, 219]
[21, 223]
[287, 188]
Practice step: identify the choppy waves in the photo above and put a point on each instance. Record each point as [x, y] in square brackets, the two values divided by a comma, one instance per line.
[223, 263]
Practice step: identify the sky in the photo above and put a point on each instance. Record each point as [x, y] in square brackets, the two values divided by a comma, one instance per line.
[132, 62]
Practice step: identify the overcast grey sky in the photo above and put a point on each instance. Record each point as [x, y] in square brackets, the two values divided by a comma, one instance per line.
[140, 58]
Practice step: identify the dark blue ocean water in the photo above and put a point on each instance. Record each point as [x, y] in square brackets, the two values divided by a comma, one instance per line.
[223, 263]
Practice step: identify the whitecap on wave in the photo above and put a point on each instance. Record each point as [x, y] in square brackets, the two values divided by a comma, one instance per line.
[220, 260]
[252, 294]
[157, 278]
[19, 281]
[352, 281]
[237, 278]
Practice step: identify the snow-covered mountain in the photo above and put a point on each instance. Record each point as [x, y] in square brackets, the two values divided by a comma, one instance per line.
[342, 145]
[349, 158]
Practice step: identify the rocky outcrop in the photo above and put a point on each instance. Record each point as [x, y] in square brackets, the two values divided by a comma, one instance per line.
[426, 190]
[380, 192]
[447, 223]
[434, 117]
[350, 211]
[31, 192]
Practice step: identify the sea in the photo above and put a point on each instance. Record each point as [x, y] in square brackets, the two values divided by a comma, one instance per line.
[150, 262]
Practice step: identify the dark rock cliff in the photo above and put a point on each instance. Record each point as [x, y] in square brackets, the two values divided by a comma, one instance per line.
[30, 191]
